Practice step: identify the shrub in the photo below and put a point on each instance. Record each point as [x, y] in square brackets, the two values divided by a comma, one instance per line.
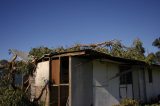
[128, 102]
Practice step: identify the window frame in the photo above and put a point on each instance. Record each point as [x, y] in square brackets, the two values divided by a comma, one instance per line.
[125, 78]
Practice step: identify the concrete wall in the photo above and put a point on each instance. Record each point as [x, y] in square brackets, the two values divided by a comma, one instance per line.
[105, 91]
[81, 82]
[42, 73]
[41, 78]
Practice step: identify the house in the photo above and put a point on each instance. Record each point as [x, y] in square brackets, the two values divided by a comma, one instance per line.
[91, 78]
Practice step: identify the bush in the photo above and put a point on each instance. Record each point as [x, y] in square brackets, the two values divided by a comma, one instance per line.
[131, 102]
[11, 97]
[128, 102]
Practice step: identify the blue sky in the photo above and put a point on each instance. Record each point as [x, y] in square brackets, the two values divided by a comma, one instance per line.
[25, 24]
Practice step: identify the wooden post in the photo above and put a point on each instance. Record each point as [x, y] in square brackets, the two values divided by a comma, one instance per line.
[70, 81]
[50, 79]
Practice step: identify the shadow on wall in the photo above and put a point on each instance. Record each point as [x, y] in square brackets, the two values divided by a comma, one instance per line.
[104, 95]
[105, 92]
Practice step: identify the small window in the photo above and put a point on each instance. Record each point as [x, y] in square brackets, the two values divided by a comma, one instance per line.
[150, 75]
[125, 75]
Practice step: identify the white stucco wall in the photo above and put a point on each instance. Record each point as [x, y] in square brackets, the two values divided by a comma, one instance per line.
[42, 73]
[105, 91]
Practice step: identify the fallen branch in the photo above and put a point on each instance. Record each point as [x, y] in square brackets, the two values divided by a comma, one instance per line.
[36, 99]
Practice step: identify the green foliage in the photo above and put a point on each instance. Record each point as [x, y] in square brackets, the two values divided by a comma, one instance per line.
[157, 56]
[138, 45]
[39, 51]
[156, 42]
[25, 68]
[114, 48]
[128, 102]
[150, 58]
[131, 102]
[58, 49]
[136, 51]
[117, 50]
[11, 97]
[103, 50]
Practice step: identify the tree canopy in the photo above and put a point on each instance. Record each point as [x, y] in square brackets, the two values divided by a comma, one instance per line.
[114, 48]
[156, 43]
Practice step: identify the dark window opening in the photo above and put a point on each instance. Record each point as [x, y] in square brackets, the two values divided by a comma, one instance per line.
[54, 96]
[64, 78]
[150, 75]
[64, 92]
[125, 75]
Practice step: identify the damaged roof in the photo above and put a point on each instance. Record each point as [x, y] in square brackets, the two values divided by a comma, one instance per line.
[93, 54]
